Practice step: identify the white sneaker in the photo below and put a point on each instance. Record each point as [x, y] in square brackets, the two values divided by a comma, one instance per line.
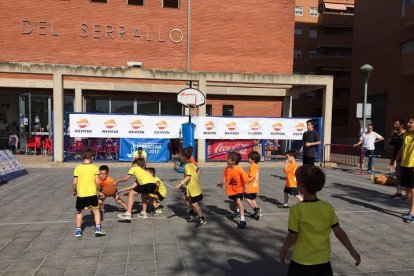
[125, 216]
[142, 215]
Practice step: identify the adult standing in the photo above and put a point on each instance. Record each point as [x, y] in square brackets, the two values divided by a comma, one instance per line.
[13, 142]
[140, 154]
[310, 142]
[406, 154]
[368, 140]
[396, 141]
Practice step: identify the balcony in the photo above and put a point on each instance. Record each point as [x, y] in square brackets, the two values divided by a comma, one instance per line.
[407, 63]
[336, 19]
[332, 63]
[409, 16]
[335, 40]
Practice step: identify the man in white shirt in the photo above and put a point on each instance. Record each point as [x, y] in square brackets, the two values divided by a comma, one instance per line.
[368, 140]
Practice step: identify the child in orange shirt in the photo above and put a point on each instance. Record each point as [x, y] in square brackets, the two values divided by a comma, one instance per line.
[291, 187]
[252, 188]
[234, 180]
[105, 179]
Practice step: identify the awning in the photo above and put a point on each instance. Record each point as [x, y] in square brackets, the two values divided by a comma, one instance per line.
[339, 7]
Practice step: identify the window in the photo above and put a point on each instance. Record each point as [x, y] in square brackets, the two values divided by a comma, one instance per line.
[209, 110]
[310, 96]
[404, 4]
[148, 107]
[122, 106]
[97, 105]
[136, 2]
[298, 32]
[171, 3]
[228, 110]
[99, 1]
[69, 103]
[313, 33]
[407, 46]
[299, 11]
[313, 11]
[312, 54]
[171, 107]
[298, 53]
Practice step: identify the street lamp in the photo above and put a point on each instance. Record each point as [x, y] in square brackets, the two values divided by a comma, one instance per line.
[366, 70]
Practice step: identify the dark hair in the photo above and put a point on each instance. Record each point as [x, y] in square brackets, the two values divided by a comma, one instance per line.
[187, 153]
[291, 153]
[151, 170]
[312, 122]
[88, 153]
[311, 177]
[139, 148]
[104, 168]
[400, 121]
[140, 162]
[370, 125]
[255, 156]
[234, 157]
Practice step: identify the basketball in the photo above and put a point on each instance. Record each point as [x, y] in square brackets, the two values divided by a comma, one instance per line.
[381, 179]
[109, 189]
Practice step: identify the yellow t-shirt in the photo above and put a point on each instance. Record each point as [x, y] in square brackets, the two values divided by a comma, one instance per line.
[143, 177]
[193, 187]
[161, 188]
[408, 150]
[86, 174]
[136, 155]
[312, 221]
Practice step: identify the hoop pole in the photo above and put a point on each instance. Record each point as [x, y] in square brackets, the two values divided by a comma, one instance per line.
[189, 113]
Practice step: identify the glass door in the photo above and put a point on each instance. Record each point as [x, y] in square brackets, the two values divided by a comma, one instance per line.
[25, 114]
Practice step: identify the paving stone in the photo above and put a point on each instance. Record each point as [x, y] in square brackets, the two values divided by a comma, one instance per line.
[56, 263]
[111, 270]
[22, 265]
[50, 271]
[137, 268]
[76, 270]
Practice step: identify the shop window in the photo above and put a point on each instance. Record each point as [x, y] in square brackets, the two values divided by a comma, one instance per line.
[228, 110]
[69, 103]
[299, 11]
[148, 107]
[298, 32]
[122, 106]
[209, 110]
[136, 2]
[171, 108]
[171, 4]
[97, 105]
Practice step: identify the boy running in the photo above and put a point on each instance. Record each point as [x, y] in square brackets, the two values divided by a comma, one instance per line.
[291, 184]
[252, 188]
[160, 193]
[85, 188]
[310, 224]
[234, 180]
[193, 192]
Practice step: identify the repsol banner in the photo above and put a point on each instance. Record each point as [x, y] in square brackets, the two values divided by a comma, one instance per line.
[227, 128]
[10, 167]
[157, 149]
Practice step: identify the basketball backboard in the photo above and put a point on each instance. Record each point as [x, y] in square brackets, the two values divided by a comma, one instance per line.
[191, 97]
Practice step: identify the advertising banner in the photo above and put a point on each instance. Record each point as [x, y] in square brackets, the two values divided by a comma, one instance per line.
[217, 150]
[125, 126]
[10, 167]
[227, 128]
[157, 149]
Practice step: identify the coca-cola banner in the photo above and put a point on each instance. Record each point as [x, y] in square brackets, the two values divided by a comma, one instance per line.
[218, 149]
[249, 128]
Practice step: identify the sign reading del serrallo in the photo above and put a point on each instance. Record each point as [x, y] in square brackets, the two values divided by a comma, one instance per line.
[227, 128]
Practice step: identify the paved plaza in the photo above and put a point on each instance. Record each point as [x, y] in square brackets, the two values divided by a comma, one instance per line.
[37, 222]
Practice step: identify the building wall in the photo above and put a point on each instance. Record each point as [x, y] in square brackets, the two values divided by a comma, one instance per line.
[232, 36]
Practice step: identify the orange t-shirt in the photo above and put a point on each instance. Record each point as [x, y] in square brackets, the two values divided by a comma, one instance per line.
[253, 187]
[290, 175]
[108, 180]
[235, 179]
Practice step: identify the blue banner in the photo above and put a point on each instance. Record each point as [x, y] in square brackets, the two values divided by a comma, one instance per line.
[157, 150]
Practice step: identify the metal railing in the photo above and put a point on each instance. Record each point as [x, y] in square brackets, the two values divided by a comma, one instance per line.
[343, 154]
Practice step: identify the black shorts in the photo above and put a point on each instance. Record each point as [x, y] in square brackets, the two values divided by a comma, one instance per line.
[251, 196]
[407, 177]
[196, 199]
[146, 188]
[160, 197]
[84, 202]
[291, 191]
[296, 269]
[236, 196]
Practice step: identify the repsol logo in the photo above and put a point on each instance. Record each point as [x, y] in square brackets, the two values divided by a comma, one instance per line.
[277, 133]
[109, 131]
[83, 131]
[209, 133]
[232, 133]
[255, 133]
[297, 134]
[161, 132]
[136, 132]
